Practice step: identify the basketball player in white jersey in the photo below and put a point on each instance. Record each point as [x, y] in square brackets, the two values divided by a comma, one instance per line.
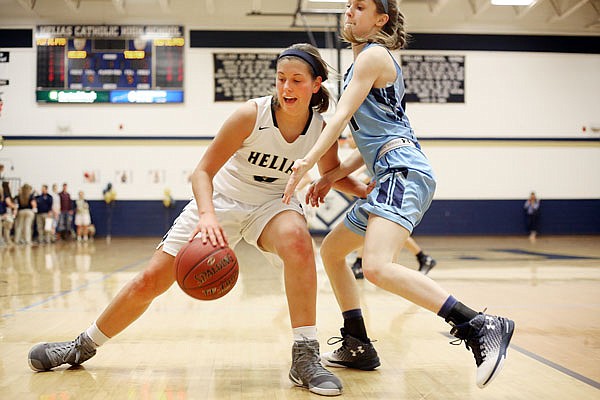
[238, 185]
[372, 106]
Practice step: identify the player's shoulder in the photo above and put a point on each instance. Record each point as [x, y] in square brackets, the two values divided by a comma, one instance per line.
[247, 111]
[374, 51]
[374, 57]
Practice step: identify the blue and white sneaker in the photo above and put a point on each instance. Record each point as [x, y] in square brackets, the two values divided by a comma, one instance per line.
[488, 337]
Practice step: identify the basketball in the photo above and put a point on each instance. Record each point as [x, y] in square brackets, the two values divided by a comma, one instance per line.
[204, 271]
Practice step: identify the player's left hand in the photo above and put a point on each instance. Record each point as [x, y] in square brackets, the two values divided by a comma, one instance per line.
[299, 169]
[317, 191]
[370, 187]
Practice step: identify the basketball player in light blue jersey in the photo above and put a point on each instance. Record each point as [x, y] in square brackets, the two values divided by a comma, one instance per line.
[405, 184]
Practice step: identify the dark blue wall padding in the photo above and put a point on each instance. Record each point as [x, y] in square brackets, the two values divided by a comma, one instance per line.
[445, 217]
[506, 217]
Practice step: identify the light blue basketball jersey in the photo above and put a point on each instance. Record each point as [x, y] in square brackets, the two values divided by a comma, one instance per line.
[380, 118]
[405, 183]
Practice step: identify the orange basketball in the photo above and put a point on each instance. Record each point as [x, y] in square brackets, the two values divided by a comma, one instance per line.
[204, 271]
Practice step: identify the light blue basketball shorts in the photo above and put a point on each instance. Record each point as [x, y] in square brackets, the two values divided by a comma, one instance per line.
[403, 192]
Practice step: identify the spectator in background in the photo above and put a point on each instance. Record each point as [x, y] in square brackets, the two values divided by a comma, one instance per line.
[83, 219]
[7, 218]
[65, 220]
[25, 214]
[44, 206]
[55, 210]
[4, 184]
[532, 211]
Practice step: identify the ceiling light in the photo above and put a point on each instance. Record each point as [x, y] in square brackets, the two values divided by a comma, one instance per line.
[512, 2]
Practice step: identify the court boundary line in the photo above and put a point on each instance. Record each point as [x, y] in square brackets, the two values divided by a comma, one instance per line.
[75, 289]
[548, 363]
[558, 367]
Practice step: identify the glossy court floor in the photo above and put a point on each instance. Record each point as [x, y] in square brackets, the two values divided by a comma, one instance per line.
[239, 347]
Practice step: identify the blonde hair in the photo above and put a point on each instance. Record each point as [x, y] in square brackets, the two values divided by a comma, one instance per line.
[392, 35]
[320, 100]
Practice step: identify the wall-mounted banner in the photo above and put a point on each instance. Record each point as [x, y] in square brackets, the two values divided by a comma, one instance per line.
[239, 77]
[4, 58]
[434, 78]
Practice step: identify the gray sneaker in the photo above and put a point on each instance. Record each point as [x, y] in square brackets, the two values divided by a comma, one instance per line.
[353, 353]
[488, 337]
[307, 371]
[45, 356]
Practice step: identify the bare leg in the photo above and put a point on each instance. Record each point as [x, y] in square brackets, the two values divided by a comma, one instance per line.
[131, 302]
[135, 297]
[336, 245]
[287, 236]
[379, 268]
[412, 246]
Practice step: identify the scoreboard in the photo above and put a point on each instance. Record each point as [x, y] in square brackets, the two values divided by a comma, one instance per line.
[110, 63]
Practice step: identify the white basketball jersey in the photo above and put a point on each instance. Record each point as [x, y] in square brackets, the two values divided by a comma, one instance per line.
[259, 170]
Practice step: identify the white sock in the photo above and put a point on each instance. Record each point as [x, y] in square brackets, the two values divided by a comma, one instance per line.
[96, 335]
[305, 332]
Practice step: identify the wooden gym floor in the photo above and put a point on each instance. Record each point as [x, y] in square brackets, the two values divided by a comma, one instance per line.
[239, 347]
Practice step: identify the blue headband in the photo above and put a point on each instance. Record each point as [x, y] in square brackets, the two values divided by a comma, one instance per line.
[309, 58]
[385, 6]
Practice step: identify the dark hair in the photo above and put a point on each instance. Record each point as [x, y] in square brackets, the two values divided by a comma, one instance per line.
[392, 35]
[319, 100]
[25, 194]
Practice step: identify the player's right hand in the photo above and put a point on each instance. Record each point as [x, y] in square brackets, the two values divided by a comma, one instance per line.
[209, 229]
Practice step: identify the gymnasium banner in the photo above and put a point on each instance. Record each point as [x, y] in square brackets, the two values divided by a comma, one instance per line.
[239, 77]
[434, 78]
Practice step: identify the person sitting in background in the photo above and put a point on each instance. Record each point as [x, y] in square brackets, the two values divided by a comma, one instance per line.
[44, 210]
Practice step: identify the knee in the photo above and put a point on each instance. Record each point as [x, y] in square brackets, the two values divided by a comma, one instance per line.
[143, 287]
[149, 284]
[372, 270]
[296, 246]
[330, 252]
